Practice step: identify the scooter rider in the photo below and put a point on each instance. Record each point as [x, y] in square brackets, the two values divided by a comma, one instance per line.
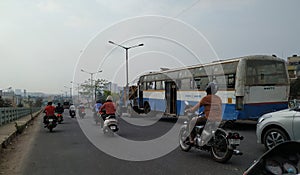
[212, 109]
[50, 111]
[72, 108]
[97, 107]
[109, 107]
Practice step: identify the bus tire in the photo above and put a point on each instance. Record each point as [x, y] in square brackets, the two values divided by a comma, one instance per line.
[147, 108]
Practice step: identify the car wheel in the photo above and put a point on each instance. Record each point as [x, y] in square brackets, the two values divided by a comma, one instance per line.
[273, 137]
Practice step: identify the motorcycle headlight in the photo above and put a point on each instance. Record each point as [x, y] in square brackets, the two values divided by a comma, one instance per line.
[262, 118]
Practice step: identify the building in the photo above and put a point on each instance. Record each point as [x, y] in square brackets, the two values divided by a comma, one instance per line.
[294, 66]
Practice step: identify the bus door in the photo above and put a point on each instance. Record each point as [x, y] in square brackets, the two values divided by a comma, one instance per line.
[141, 96]
[171, 97]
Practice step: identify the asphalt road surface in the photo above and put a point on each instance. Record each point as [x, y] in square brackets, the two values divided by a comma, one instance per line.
[70, 150]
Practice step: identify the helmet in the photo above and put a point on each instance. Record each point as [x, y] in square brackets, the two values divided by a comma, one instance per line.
[109, 98]
[211, 88]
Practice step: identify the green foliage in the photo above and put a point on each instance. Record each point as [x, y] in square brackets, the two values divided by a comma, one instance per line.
[38, 102]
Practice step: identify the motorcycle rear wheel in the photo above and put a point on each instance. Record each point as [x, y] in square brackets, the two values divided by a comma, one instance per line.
[219, 150]
[183, 139]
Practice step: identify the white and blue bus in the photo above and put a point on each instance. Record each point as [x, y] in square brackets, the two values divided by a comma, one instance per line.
[248, 86]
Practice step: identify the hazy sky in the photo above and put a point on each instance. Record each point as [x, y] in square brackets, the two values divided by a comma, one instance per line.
[45, 43]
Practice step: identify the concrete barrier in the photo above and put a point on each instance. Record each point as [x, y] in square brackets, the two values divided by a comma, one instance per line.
[9, 131]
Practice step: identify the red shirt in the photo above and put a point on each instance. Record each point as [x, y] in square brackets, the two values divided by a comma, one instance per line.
[109, 107]
[50, 110]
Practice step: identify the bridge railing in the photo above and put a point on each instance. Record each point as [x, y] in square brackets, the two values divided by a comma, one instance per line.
[10, 114]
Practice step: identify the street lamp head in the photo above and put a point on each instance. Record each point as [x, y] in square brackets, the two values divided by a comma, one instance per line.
[141, 44]
[100, 71]
[111, 42]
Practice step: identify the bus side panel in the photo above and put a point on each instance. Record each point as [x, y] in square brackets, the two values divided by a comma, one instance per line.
[256, 110]
[156, 100]
[229, 112]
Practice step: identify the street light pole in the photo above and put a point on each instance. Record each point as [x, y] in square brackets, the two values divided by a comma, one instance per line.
[126, 60]
[92, 73]
[78, 85]
[70, 91]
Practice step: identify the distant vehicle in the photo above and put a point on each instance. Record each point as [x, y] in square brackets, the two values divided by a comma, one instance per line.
[66, 105]
[249, 86]
[276, 127]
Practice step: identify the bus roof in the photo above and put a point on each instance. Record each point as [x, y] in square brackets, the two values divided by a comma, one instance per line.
[231, 60]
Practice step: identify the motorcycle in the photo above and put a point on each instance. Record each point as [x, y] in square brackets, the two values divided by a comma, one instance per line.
[212, 138]
[97, 118]
[81, 112]
[50, 123]
[110, 124]
[59, 118]
[282, 159]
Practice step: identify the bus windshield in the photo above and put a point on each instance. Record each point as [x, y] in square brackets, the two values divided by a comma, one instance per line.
[266, 72]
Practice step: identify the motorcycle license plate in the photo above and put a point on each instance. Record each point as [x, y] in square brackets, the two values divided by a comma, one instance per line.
[234, 141]
[113, 127]
[50, 120]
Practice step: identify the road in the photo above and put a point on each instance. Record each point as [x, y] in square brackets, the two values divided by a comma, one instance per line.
[75, 148]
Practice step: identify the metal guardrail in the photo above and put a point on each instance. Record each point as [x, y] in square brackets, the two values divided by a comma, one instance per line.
[8, 115]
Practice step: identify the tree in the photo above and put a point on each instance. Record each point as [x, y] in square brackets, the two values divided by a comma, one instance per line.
[38, 102]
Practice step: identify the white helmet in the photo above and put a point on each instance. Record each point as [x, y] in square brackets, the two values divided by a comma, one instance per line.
[109, 98]
[211, 88]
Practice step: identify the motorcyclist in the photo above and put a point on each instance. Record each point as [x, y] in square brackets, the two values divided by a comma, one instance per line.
[109, 107]
[96, 110]
[72, 108]
[50, 112]
[59, 109]
[212, 109]
[81, 109]
[97, 106]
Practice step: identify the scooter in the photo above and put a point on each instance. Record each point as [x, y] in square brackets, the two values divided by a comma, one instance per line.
[97, 118]
[81, 112]
[72, 113]
[59, 118]
[50, 123]
[110, 125]
[212, 138]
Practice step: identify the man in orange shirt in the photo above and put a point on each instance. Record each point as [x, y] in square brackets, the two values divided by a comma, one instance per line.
[50, 111]
[212, 109]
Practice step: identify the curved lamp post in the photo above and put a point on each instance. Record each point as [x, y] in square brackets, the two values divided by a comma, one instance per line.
[126, 59]
[91, 73]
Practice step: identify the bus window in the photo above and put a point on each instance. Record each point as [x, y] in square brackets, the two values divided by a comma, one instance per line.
[230, 81]
[265, 73]
[151, 85]
[186, 84]
[160, 85]
[201, 83]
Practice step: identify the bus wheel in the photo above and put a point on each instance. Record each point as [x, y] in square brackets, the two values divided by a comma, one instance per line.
[147, 108]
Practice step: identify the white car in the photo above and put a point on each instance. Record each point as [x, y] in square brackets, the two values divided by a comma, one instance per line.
[276, 127]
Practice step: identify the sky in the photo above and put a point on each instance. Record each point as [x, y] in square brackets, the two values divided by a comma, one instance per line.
[44, 44]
